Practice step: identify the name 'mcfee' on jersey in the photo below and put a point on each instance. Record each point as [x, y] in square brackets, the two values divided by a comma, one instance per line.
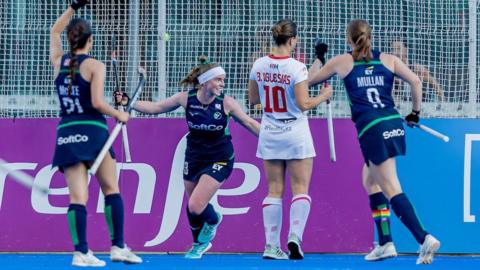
[78, 103]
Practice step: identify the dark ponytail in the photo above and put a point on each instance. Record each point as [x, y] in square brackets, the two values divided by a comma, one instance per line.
[78, 32]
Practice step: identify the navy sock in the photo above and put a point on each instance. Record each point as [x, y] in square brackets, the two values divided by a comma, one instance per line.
[406, 213]
[196, 223]
[209, 215]
[381, 215]
[77, 223]
[114, 216]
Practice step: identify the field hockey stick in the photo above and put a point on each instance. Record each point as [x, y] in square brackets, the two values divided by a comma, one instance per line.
[21, 178]
[428, 130]
[126, 145]
[119, 125]
[321, 49]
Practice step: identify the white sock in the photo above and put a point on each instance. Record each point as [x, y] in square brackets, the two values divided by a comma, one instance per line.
[272, 220]
[299, 210]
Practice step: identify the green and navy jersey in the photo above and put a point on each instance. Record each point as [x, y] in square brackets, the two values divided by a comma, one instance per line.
[369, 88]
[77, 104]
[209, 138]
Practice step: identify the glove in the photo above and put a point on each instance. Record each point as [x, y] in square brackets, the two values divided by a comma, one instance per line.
[120, 98]
[320, 50]
[413, 117]
[76, 4]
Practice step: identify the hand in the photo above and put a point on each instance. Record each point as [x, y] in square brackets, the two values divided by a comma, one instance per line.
[122, 116]
[326, 91]
[76, 4]
[413, 117]
[120, 98]
[320, 50]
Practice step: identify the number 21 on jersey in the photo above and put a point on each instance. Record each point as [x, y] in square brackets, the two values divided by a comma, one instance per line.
[275, 99]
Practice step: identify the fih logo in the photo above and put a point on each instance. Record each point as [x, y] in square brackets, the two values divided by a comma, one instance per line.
[77, 138]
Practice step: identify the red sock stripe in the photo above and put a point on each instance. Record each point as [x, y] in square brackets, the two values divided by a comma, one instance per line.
[302, 198]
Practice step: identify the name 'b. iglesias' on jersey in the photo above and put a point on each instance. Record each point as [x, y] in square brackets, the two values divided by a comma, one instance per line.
[285, 133]
[276, 77]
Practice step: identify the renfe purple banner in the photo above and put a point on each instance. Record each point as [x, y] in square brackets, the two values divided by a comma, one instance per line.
[153, 193]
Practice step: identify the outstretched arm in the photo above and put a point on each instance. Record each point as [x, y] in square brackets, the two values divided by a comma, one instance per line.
[162, 106]
[235, 110]
[318, 73]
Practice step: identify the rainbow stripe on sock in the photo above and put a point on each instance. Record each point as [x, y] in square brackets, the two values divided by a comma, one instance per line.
[382, 215]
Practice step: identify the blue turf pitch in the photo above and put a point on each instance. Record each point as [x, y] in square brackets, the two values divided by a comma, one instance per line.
[242, 261]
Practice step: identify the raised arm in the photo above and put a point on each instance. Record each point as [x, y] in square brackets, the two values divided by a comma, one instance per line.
[56, 51]
[162, 106]
[61, 23]
[235, 110]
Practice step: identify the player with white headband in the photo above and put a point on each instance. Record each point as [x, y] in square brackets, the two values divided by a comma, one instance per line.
[209, 156]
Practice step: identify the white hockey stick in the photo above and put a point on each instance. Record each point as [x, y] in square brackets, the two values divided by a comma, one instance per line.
[119, 125]
[126, 145]
[428, 130]
[331, 138]
[21, 178]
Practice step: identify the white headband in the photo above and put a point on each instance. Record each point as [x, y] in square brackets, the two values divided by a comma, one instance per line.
[210, 74]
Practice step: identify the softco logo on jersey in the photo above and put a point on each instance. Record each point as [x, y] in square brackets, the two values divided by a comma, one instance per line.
[204, 127]
[393, 133]
[77, 138]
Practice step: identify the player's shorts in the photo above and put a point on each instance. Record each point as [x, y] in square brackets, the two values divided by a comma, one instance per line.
[382, 141]
[219, 170]
[285, 140]
[79, 141]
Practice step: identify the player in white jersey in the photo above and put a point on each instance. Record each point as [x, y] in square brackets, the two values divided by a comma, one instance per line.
[280, 84]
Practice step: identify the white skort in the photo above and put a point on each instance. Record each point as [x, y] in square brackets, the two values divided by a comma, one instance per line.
[280, 140]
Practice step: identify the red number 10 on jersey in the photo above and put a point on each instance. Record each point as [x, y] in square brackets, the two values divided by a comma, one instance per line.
[274, 95]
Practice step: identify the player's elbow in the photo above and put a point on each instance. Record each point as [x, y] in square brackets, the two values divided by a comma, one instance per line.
[98, 104]
[305, 105]
[416, 83]
[252, 100]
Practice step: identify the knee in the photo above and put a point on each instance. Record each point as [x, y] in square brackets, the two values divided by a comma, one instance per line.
[109, 188]
[299, 188]
[77, 197]
[367, 182]
[195, 206]
[275, 189]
